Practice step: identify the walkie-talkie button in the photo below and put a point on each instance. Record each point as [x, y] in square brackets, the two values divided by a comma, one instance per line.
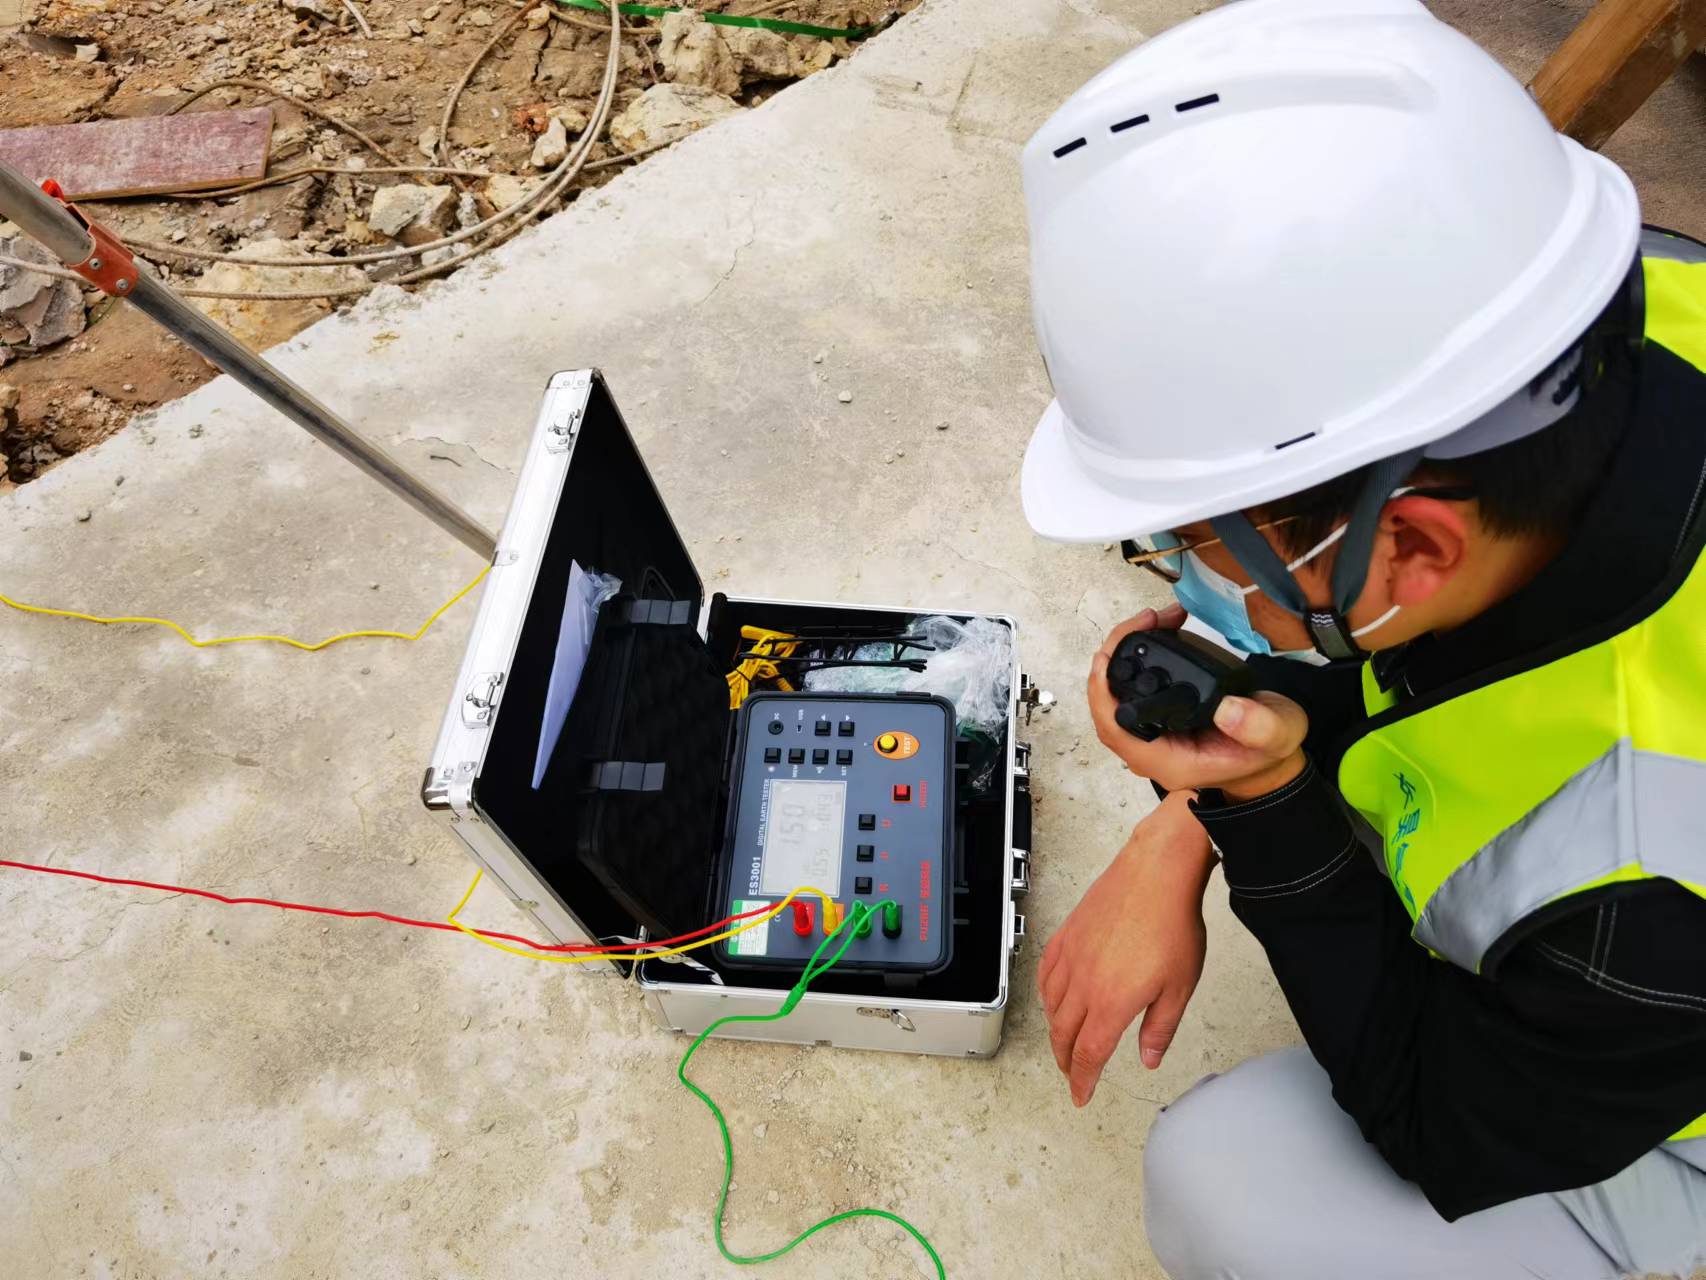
[772, 755]
[821, 728]
[867, 822]
[775, 726]
[796, 755]
[846, 729]
[820, 757]
[865, 852]
[862, 884]
[843, 757]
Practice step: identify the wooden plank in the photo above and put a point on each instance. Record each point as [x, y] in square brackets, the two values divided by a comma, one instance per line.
[1614, 61]
[153, 153]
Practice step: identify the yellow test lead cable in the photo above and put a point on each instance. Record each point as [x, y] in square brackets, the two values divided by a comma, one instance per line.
[586, 957]
[305, 646]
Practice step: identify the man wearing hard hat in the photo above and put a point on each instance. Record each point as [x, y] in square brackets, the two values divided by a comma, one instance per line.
[1387, 380]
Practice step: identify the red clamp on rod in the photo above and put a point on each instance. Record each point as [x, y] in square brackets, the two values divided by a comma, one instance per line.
[109, 266]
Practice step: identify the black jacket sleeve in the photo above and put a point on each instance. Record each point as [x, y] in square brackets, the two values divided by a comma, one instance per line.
[1583, 1050]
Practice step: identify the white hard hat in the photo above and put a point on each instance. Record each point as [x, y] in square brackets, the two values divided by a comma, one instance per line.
[1288, 238]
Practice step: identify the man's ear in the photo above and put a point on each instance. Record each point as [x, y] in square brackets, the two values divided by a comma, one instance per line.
[1425, 542]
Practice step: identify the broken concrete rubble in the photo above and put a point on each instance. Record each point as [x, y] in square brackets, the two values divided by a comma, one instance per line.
[412, 213]
[552, 147]
[666, 112]
[36, 311]
[258, 323]
[693, 52]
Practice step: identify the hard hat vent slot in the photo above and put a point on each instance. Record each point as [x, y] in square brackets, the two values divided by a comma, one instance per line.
[1286, 444]
[1206, 101]
[1070, 147]
[1123, 125]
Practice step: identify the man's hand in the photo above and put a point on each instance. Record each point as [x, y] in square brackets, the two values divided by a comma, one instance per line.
[1134, 942]
[1254, 747]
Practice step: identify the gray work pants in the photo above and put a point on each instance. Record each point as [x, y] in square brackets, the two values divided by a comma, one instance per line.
[1257, 1175]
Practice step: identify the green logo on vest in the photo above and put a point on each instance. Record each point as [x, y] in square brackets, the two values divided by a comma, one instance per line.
[1408, 825]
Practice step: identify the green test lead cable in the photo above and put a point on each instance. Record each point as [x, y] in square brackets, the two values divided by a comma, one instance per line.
[815, 968]
[783, 25]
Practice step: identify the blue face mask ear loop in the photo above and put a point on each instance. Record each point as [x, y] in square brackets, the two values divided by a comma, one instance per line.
[1328, 628]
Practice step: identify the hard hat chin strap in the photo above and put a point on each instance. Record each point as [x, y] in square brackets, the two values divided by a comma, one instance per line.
[1328, 627]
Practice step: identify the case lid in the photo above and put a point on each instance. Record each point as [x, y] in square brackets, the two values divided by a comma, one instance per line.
[583, 496]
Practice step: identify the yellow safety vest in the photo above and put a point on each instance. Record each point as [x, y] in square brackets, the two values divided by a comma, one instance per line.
[1584, 770]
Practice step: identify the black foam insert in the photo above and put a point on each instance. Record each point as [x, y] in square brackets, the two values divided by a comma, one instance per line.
[653, 696]
[610, 519]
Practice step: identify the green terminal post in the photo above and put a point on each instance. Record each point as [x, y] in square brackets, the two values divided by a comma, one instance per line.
[891, 919]
[862, 926]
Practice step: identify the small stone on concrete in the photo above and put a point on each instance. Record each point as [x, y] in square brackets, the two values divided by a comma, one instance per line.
[24, 1055]
[846, 397]
[85, 515]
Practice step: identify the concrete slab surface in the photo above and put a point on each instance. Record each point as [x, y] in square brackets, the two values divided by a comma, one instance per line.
[192, 1089]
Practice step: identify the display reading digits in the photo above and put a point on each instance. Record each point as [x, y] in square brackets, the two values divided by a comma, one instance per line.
[803, 835]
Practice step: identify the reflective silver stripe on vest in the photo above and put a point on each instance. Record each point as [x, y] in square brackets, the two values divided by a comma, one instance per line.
[1656, 244]
[1626, 807]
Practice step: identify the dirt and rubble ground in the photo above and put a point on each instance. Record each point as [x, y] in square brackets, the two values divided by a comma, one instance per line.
[82, 365]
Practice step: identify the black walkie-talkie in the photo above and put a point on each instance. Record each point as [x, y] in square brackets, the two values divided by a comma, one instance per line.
[1171, 682]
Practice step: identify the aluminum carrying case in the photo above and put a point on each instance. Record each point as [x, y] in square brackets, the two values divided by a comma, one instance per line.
[584, 496]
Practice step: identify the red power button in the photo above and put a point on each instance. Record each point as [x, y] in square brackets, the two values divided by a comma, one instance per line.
[902, 793]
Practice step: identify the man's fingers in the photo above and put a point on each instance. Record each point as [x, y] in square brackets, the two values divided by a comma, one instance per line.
[1268, 723]
[1063, 1031]
[1160, 1023]
[1053, 988]
[1094, 1045]
[1051, 957]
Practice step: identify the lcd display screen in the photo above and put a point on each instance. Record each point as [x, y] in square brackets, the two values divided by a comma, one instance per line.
[803, 842]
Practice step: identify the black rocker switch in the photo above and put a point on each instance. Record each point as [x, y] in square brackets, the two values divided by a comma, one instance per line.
[843, 757]
[796, 755]
[867, 822]
[861, 884]
[846, 728]
[821, 728]
[772, 755]
[820, 757]
[865, 852]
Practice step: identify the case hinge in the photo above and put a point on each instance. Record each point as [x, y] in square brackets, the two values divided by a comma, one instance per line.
[1021, 872]
[565, 422]
[481, 698]
[1032, 698]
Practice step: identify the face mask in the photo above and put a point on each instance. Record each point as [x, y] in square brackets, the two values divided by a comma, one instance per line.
[1218, 602]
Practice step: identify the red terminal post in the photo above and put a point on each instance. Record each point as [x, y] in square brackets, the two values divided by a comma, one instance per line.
[803, 919]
